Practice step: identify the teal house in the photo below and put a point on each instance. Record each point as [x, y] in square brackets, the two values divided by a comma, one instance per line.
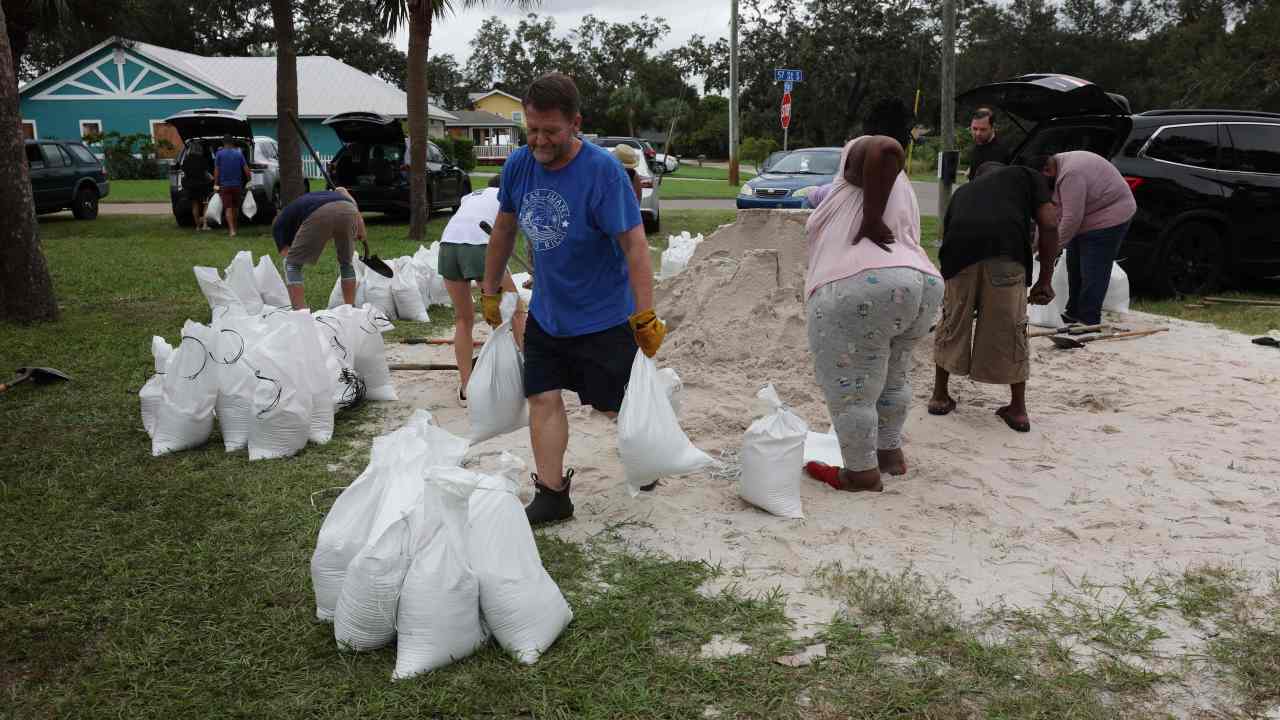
[131, 87]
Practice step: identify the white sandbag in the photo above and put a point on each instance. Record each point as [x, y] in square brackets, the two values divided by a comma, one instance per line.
[365, 618]
[317, 377]
[152, 392]
[823, 448]
[240, 277]
[216, 290]
[650, 440]
[679, 252]
[266, 276]
[281, 398]
[495, 392]
[773, 458]
[213, 213]
[522, 605]
[335, 296]
[1051, 315]
[438, 618]
[377, 292]
[526, 294]
[436, 292]
[378, 497]
[250, 205]
[236, 333]
[371, 354]
[673, 387]
[184, 417]
[366, 613]
[1117, 298]
[405, 293]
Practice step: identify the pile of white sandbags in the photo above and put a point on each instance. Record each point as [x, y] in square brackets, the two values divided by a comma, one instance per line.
[678, 253]
[415, 287]
[424, 552]
[272, 380]
[248, 287]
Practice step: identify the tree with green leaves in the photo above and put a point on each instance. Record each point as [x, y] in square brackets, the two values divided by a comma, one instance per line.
[670, 111]
[418, 15]
[628, 102]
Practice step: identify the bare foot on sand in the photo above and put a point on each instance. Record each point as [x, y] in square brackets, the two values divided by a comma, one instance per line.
[892, 461]
[941, 405]
[1016, 420]
[842, 479]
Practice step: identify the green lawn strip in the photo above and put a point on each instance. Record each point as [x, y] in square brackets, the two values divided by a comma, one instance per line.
[674, 188]
[691, 170]
[1251, 320]
[138, 191]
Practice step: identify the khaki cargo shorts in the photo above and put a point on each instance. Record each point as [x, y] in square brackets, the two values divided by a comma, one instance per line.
[994, 349]
[338, 221]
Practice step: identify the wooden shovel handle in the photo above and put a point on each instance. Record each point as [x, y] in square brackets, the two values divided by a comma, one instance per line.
[1134, 334]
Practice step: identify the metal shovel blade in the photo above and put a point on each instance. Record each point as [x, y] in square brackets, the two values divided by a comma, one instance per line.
[1062, 342]
[43, 375]
[375, 263]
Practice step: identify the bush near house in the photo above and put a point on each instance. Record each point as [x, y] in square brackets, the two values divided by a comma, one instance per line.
[754, 150]
[130, 157]
[461, 150]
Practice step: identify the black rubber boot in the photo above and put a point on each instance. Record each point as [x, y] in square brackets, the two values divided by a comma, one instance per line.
[549, 506]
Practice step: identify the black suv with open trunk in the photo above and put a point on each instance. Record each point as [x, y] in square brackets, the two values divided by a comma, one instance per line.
[1207, 182]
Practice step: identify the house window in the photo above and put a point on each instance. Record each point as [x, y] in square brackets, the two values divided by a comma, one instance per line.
[161, 130]
[517, 117]
[90, 127]
[29, 130]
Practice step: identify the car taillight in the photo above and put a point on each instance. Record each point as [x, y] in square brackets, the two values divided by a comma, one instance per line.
[650, 152]
[1134, 182]
[404, 168]
[646, 182]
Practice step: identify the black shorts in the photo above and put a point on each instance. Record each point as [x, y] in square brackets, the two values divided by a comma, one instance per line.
[597, 366]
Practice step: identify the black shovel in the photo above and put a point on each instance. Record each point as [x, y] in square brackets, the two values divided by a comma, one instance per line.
[39, 375]
[373, 262]
[1069, 343]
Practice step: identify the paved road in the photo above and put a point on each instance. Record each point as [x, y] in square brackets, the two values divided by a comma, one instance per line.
[926, 193]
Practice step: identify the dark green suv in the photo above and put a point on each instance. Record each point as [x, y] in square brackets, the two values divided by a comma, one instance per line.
[64, 174]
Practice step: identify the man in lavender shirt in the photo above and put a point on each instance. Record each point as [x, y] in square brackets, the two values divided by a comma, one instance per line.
[1095, 206]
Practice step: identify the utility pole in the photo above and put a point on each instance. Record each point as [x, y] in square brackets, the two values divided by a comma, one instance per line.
[948, 125]
[733, 93]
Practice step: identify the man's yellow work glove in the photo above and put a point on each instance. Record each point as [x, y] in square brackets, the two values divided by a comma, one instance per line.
[649, 331]
[490, 306]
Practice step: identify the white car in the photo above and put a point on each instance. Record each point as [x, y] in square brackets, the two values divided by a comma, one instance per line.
[671, 162]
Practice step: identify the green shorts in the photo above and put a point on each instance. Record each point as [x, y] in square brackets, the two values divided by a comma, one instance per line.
[460, 262]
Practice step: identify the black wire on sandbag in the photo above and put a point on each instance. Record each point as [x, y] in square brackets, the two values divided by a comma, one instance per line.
[353, 390]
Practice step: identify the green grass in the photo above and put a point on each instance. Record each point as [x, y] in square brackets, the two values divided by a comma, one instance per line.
[673, 188]
[1241, 318]
[178, 587]
[691, 170]
[138, 191]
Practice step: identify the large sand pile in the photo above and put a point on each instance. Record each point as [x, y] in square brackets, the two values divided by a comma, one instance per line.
[1144, 455]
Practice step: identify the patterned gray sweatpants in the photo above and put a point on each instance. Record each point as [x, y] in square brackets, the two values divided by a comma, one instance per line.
[861, 332]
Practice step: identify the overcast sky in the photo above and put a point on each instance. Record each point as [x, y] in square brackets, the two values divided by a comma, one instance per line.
[686, 17]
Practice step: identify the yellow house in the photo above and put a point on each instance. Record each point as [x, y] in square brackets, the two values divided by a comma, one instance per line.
[498, 103]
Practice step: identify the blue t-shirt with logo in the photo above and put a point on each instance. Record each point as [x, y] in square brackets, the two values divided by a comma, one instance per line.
[231, 164]
[572, 218]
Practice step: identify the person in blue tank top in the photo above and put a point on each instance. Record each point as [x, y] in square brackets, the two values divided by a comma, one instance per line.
[594, 303]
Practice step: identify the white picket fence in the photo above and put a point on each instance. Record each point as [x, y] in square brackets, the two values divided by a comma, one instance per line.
[493, 152]
[309, 167]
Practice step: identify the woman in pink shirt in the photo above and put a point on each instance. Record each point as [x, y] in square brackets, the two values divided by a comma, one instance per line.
[1095, 206]
[872, 293]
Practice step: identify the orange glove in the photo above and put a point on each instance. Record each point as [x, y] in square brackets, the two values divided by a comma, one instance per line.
[490, 306]
[649, 331]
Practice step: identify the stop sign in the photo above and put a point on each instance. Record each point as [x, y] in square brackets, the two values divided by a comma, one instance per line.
[786, 110]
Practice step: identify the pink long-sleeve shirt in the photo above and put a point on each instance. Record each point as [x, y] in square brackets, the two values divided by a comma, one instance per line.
[1090, 193]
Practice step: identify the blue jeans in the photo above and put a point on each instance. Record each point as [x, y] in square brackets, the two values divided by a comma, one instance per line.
[1089, 259]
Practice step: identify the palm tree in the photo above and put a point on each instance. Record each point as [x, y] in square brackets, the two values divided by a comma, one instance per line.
[419, 14]
[26, 290]
[627, 102]
[291, 184]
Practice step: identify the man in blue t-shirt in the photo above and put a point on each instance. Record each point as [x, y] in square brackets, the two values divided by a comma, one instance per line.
[230, 173]
[594, 303]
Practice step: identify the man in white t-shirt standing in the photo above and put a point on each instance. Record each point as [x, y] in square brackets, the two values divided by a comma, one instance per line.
[462, 250]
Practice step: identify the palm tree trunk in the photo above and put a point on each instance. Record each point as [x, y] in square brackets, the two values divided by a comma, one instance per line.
[291, 185]
[26, 290]
[419, 46]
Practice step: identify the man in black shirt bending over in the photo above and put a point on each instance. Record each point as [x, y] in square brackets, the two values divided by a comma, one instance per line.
[986, 147]
[986, 263]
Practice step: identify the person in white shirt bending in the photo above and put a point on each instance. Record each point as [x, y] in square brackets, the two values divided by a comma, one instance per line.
[462, 250]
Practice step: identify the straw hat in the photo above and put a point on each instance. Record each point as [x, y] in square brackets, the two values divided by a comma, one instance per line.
[627, 156]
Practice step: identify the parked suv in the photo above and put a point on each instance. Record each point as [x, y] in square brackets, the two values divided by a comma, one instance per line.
[1207, 182]
[207, 127]
[373, 165]
[644, 147]
[65, 175]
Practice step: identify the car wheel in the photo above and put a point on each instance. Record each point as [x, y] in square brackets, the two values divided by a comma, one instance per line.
[85, 206]
[1194, 261]
[651, 224]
